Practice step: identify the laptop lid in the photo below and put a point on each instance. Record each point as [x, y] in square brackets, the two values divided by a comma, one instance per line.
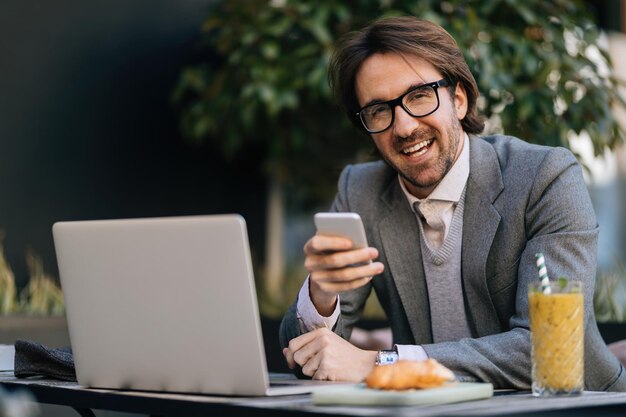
[163, 304]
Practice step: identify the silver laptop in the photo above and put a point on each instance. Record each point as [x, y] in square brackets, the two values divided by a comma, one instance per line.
[165, 304]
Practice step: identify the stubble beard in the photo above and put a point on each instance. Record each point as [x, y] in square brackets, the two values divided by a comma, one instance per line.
[442, 164]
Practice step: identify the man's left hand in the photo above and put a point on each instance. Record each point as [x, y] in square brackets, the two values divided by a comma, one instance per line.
[324, 355]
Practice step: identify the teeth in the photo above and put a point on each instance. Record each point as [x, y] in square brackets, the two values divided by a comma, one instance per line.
[420, 148]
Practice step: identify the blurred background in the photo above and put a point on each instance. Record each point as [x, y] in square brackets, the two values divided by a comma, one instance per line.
[117, 109]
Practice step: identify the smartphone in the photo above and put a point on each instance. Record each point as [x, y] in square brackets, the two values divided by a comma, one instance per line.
[342, 224]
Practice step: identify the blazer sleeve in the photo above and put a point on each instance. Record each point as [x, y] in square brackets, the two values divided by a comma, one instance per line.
[560, 222]
[352, 305]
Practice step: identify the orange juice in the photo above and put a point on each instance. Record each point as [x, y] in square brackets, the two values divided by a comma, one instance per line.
[557, 339]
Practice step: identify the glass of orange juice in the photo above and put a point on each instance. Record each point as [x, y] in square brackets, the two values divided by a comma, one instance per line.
[557, 338]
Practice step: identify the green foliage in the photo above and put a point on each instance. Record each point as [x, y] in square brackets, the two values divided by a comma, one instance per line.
[8, 292]
[542, 71]
[261, 84]
[42, 296]
[263, 89]
[609, 298]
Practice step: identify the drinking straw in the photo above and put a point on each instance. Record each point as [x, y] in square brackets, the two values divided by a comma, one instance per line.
[543, 273]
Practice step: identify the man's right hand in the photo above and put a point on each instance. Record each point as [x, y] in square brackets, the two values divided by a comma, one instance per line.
[334, 266]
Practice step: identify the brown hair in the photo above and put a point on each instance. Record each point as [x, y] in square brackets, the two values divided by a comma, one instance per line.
[408, 36]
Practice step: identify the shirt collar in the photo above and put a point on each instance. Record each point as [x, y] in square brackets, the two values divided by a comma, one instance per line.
[451, 186]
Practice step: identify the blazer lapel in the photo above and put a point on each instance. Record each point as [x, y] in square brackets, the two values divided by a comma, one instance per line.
[399, 235]
[480, 223]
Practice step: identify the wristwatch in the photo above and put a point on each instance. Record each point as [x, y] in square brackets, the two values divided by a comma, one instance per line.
[386, 357]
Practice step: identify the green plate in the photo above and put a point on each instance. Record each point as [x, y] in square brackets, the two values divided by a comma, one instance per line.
[361, 395]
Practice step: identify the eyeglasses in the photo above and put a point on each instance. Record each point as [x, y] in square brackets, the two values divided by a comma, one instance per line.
[419, 102]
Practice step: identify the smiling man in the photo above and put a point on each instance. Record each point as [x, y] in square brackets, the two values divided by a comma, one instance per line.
[453, 219]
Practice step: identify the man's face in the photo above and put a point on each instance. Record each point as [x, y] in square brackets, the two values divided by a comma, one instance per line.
[423, 149]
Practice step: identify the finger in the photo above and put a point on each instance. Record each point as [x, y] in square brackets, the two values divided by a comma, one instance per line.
[311, 353]
[348, 274]
[312, 365]
[304, 355]
[323, 243]
[335, 260]
[322, 374]
[289, 358]
[346, 286]
[319, 367]
[299, 342]
[334, 282]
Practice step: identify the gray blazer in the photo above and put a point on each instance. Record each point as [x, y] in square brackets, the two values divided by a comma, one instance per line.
[520, 199]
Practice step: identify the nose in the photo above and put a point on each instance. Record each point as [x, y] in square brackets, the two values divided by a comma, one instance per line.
[404, 124]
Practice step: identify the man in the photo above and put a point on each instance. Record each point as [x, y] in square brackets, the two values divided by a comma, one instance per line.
[454, 221]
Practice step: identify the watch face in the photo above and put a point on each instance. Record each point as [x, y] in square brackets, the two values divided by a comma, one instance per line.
[386, 357]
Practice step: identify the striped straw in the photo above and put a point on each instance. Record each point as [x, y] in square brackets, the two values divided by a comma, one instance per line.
[543, 273]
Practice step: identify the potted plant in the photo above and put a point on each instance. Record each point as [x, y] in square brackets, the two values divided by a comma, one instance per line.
[259, 85]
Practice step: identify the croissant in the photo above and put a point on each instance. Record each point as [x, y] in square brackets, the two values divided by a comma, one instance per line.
[404, 375]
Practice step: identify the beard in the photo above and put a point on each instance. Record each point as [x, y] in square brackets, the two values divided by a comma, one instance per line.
[418, 176]
[442, 164]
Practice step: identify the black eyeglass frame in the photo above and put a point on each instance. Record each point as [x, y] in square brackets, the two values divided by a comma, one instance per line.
[444, 82]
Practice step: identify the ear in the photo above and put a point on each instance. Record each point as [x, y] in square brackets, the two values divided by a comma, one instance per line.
[460, 101]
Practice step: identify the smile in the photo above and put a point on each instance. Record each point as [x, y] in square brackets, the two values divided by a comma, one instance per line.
[418, 149]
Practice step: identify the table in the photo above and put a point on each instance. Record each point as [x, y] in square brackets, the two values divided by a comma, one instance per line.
[508, 403]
